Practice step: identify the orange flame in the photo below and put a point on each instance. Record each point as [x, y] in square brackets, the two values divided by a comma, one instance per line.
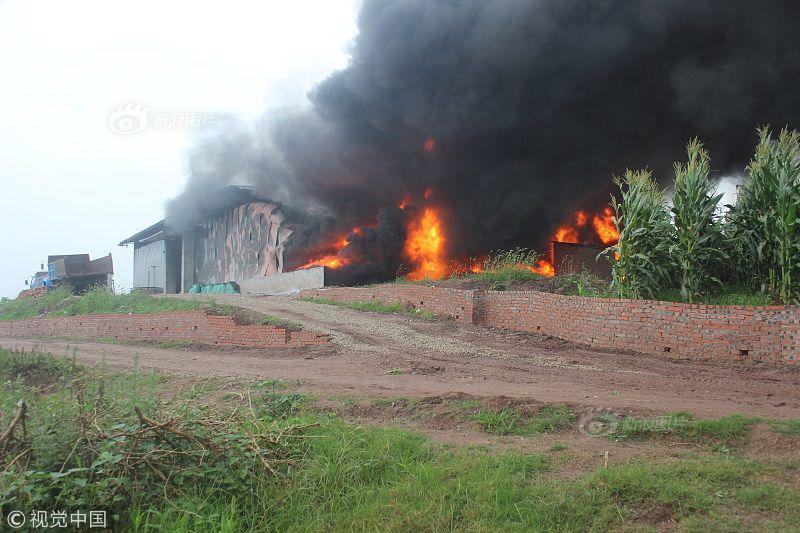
[605, 228]
[430, 144]
[603, 225]
[543, 268]
[330, 261]
[425, 246]
[566, 234]
[334, 260]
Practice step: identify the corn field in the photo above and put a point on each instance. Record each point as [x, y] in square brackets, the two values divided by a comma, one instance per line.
[691, 248]
[765, 218]
[697, 245]
[640, 264]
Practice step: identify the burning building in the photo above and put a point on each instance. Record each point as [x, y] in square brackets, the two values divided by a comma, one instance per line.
[243, 238]
[462, 127]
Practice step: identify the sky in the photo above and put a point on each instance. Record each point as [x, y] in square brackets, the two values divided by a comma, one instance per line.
[70, 181]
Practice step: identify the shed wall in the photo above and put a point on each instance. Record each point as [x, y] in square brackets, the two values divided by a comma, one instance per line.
[144, 258]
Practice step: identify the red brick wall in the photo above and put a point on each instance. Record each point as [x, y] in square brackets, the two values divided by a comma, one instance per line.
[453, 303]
[671, 329]
[196, 326]
[662, 328]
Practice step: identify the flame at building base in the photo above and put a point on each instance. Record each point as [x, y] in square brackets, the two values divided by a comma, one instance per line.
[425, 253]
[425, 247]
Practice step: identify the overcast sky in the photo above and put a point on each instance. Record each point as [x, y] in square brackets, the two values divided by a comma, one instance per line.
[69, 183]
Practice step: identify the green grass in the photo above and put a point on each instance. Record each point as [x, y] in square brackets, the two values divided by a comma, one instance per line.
[787, 427]
[408, 403]
[60, 302]
[501, 278]
[337, 476]
[467, 404]
[510, 421]
[729, 430]
[375, 306]
[502, 268]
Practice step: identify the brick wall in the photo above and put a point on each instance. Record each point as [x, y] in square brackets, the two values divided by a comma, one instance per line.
[662, 328]
[453, 303]
[770, 333]
[195, 326]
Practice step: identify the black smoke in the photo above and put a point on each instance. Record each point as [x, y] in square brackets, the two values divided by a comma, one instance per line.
[533, 104]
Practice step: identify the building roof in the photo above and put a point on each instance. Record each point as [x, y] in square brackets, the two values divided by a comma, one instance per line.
[147, 233]
[228, 197]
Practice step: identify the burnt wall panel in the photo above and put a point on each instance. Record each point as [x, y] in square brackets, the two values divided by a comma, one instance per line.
[242, 243]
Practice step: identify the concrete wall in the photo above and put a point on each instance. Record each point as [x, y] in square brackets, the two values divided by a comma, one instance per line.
[310, 278]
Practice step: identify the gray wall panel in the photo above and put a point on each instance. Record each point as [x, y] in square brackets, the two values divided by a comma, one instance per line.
[144, 258]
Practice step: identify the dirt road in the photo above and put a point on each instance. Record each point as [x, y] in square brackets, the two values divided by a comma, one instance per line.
[394, 355]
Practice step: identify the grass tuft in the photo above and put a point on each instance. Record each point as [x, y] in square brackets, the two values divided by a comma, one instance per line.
[787, 427]
[728, 430]
[98, 301]
[510, 421]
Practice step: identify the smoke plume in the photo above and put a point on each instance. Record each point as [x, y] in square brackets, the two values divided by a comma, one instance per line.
[532, 105]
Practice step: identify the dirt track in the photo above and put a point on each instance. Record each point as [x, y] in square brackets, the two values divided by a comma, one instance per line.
[393, 355]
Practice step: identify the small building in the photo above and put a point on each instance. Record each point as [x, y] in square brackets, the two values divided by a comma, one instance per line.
[574, 258]
[242, 240]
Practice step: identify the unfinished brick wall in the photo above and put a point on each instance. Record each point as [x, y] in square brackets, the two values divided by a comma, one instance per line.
[661, 328]
[770, 333]
[453, 303]
[191, 326]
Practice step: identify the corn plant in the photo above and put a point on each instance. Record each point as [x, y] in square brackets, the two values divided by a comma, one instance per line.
[640, 260]
[698, 231]
[765, 217]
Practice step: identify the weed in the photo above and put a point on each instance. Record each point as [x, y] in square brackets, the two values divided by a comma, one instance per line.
[331, 475]
[726, 431]
[502, 268]
[408, 403]
[788, 427]
[467, 405]
[272, 385]
[510, 421]
[557, 447]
